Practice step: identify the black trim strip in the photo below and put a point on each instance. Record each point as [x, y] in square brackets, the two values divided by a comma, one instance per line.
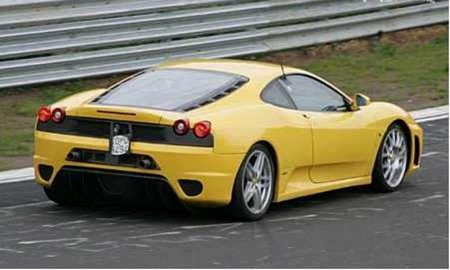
[141, 132]
[113, 173]
[119, 113]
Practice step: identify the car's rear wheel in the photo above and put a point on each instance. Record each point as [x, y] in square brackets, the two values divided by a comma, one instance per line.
[392, 160]
[254, 184]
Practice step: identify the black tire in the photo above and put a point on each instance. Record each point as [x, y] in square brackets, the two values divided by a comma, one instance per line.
[379, 182]
[238, 207]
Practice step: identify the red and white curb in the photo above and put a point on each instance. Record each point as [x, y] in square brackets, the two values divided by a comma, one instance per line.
[27, 174]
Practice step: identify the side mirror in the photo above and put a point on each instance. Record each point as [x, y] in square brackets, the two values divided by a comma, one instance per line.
[359, 100]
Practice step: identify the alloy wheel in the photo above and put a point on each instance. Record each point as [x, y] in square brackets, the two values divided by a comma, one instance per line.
[258, 182]
[394, 157]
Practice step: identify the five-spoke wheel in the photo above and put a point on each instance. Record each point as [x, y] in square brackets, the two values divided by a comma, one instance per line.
[253, 188]
[257, 184]
[392, 160]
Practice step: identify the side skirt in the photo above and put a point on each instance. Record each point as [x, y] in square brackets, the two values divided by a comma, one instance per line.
[305, 188]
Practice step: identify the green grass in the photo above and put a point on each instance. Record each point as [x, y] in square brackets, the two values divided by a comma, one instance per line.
[413, 76]
[16, 143]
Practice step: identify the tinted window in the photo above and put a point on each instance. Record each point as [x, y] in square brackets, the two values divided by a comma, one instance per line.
[169, 89]
[312, 95]
[276, 95]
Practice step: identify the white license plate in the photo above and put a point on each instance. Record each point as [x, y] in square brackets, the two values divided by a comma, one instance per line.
[120, 145]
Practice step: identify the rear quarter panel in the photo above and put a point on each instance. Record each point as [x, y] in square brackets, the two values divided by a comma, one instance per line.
[236, 130]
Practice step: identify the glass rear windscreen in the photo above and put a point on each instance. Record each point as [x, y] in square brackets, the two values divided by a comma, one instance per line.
[169, 89]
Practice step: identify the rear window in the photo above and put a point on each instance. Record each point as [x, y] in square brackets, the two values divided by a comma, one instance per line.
[171, 89]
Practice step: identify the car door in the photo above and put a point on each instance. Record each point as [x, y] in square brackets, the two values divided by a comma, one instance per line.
[294, 135]
[343, 140]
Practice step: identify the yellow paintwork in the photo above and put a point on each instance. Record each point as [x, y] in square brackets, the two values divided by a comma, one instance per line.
[315, 151]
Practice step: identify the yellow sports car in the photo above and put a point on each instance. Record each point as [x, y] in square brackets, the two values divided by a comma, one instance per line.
[220, 133]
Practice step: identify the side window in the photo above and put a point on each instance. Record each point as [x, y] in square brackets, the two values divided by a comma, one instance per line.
[312, 95]
[276, 95]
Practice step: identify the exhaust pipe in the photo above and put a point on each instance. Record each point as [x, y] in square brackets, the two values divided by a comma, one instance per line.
[145, 163]
[74, 156]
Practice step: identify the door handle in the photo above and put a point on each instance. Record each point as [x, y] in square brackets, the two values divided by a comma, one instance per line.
[306, 116]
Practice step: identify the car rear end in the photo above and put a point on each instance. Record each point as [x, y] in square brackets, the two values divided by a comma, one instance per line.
[112, 141]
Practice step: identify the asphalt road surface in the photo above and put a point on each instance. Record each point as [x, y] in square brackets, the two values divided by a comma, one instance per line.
[349, 228]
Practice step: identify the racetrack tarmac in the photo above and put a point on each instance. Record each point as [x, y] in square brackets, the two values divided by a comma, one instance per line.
[348, 228]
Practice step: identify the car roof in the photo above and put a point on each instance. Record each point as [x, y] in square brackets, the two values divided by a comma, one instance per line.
[249, 69]
[258, 73]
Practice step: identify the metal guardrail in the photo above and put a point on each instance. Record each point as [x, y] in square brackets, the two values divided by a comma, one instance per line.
[53, 40]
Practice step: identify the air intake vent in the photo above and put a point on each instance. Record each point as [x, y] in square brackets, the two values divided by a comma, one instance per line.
[45, 171]
[216, 96]
[417, 150]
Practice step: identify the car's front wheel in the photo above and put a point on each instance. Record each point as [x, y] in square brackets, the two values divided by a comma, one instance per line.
[254, 184]
[392, 160]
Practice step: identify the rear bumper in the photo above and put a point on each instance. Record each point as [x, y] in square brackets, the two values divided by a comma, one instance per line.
[216, 172]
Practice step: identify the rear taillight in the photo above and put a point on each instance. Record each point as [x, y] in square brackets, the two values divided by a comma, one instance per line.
[181, 126]
[44, 114]
[202, 129]
[58, 115]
